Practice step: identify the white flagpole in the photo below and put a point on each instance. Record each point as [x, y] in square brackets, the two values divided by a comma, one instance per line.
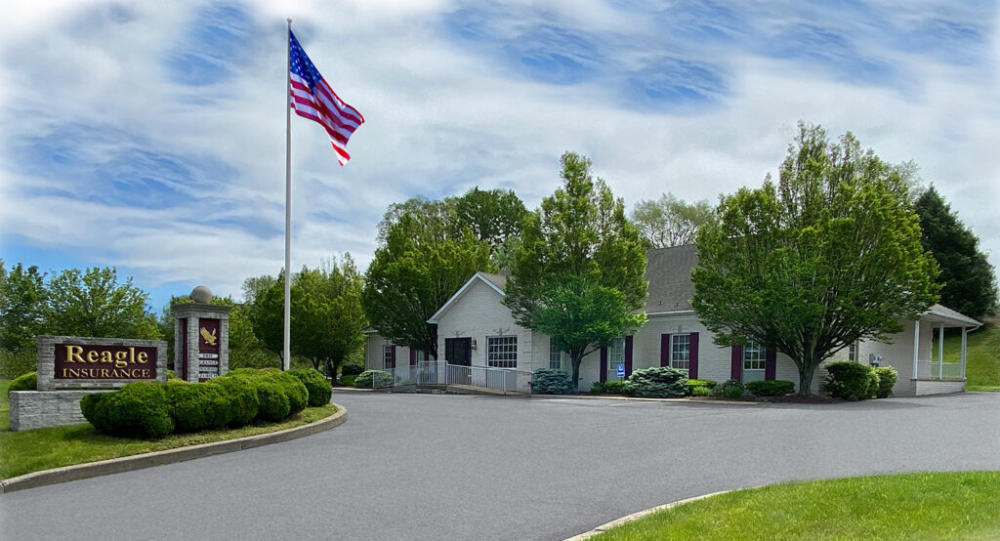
[286, 359]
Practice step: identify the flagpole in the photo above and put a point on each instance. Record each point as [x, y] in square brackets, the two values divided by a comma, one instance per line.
[286, 359]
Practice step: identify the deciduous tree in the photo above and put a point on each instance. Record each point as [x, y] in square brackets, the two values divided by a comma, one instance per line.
[578, 272]
[22, 302]
[828, 256]
[327, 317]
[94, 303]
[669, 221]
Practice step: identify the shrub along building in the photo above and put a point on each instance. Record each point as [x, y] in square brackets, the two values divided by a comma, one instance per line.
[475, 328]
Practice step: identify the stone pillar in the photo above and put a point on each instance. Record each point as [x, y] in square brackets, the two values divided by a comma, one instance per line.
[201, 338]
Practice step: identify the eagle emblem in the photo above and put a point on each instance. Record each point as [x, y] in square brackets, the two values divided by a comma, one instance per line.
[209, 337]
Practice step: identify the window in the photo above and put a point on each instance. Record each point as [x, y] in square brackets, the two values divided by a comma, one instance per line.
[852, 352]
[616, 356]
[680, 351]
[555, 356]
[387, 355]
[753, 356]
[501, 351]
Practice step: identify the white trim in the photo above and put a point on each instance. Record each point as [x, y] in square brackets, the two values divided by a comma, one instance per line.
[454, 298]
[670, 313]
[961, 317]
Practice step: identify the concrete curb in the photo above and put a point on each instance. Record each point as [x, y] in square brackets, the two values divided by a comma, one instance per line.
[169, 456]
[635, 516]
[685, 400]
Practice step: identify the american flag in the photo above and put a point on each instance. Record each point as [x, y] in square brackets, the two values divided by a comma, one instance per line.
[312, 98]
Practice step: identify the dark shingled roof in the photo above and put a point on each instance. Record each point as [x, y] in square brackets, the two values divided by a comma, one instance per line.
[668, 271]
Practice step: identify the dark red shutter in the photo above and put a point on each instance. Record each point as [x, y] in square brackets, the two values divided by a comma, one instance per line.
[770, 363]
[628, 356]
[604, 365]
[693, 366]
[736, 366]
[392, 357]
[413, 357]
[664, 350]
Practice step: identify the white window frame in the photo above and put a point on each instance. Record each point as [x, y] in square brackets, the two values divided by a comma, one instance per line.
[555, 356]
[501, 351]
[852, 352]
[675, 361]
[616, 354]
[752, 363]
[387, 356]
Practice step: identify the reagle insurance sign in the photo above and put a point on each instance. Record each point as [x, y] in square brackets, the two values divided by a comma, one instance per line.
[73, 362]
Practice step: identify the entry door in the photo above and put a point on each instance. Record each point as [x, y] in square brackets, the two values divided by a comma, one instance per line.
[458, 351]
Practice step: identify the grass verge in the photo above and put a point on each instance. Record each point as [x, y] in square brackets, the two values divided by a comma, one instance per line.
[958, 505]
[45, 448]
[982, 368]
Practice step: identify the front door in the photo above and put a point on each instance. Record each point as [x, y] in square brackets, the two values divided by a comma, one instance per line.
[458, 351]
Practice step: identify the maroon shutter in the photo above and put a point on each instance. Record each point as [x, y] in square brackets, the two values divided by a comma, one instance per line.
[628, 356]
[770, 363]
[604, 365]
[736, 366]
[664, 350]
[392, 357]
[413, 357]
[693, 367]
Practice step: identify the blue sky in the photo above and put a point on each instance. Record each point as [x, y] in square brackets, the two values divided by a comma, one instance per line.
[151, 138]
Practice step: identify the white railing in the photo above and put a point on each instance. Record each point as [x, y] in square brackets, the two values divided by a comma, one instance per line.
[502, 380]
[939, 370]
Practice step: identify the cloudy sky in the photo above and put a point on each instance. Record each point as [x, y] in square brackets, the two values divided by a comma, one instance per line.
[151, 138]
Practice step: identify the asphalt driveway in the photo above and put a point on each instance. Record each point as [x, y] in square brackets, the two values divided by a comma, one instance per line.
[479, 467]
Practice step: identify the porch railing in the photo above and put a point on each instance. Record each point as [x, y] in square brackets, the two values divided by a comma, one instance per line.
[440, 373]
[939, 370]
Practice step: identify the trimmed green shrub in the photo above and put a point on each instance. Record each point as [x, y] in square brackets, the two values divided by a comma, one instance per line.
[695, 383]
[887, 377]
[658, 382]
[137, 409]
[701, 390]
[374, 379]
[615, 386]
[774, 387]
[24, 382]
[171, 375]
[295, 391]
[551, 381]
[730, 389]
[198, 406]
[347, 381]
[242, 395]
[352, 369]
[274, 404]
[319, 388]
[849, 380]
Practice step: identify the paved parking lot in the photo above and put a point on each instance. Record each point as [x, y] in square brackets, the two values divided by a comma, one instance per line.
[481, 467]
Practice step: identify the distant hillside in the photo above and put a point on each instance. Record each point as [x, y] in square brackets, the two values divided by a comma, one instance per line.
[983, 356]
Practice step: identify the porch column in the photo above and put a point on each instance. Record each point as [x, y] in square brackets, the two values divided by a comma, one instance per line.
[941, 352]
[916, 346]
[965, 334]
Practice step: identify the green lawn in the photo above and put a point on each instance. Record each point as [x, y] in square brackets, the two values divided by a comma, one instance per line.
[911, 506]
[982, 369]
[44, 448]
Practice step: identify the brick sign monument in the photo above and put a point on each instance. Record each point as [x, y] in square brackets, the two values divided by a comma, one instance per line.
[72, 366]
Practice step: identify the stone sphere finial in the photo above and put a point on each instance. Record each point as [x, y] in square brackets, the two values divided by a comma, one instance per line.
[201, 295]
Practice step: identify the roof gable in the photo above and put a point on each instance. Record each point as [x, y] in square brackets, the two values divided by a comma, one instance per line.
[494, 281]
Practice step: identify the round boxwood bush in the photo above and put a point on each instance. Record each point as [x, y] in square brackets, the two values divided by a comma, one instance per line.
[137, 409]
[551, 381]
[274, 404]
[242, 395]
[352, 369]
[887, 377]
[198, 406]
[658, 382]
[774, 387]
[849, 380]
[374, 379]
[319, 388]
[730, 389]
[295, 391]
[24, 382]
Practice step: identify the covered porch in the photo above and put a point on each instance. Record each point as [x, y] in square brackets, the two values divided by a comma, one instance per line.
[932, 374]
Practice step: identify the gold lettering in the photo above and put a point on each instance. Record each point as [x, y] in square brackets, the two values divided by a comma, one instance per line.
[121, 359]
[92, 356]
[145, 373]
[73, 372]
[106, 356]
[104, 372]
[143, 357]
[73, 354]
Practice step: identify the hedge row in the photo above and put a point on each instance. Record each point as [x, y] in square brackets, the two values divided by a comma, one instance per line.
[243, 396]
[850, 380]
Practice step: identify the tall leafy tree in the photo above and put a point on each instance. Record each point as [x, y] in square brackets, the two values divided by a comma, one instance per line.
[422, 262]
[95, 303]
[327, 317]
[969, 282]
[670, 221]
[828, 256]
[22, 300]
[578, 272]
[493, 215]
[267, 314]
